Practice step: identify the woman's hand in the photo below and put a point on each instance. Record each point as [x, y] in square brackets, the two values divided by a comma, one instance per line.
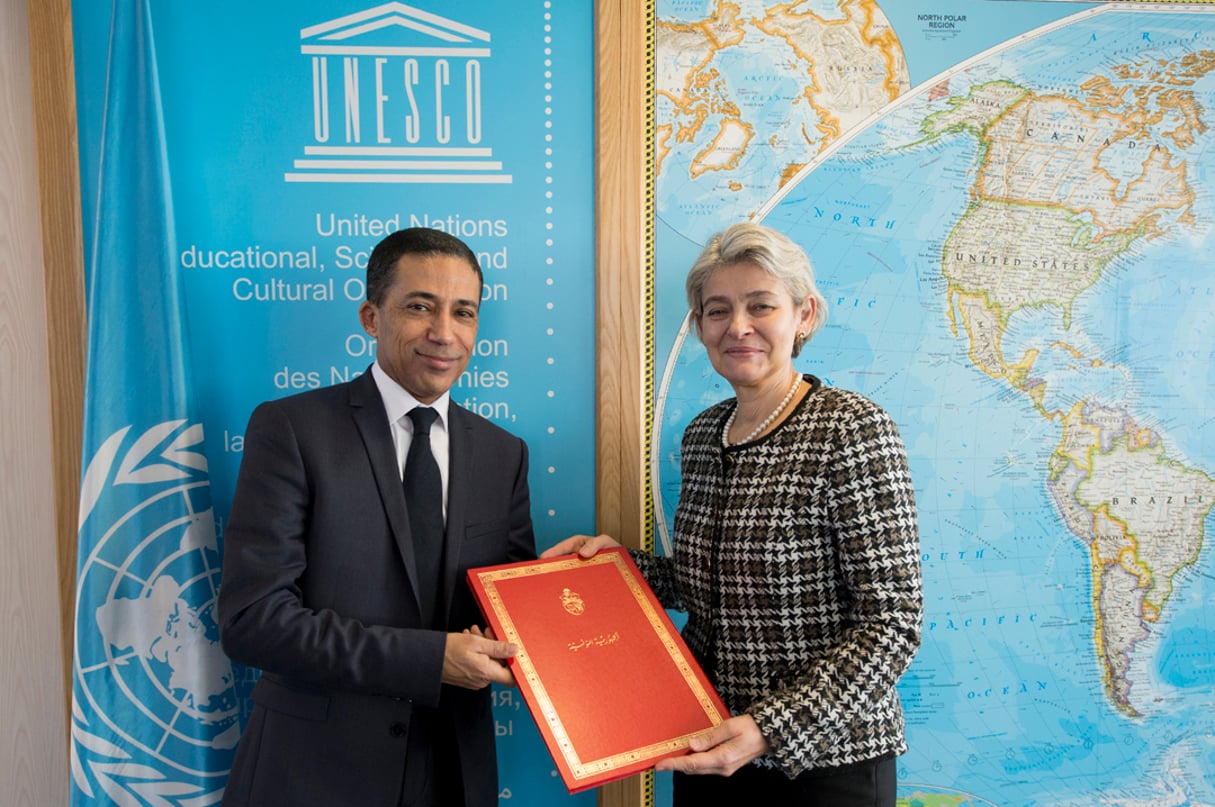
[584, 545]
[725, 749]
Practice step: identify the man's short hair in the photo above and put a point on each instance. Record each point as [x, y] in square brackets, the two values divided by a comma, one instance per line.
[381, 266]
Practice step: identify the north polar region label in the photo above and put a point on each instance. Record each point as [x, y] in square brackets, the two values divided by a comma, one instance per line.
[942, 22]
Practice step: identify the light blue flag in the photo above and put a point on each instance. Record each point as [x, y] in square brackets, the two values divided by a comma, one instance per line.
[154, 713]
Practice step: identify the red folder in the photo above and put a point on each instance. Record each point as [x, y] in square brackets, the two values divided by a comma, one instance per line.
[609, 681]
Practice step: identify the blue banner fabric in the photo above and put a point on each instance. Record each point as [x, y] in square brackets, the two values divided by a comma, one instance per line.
[155, 717]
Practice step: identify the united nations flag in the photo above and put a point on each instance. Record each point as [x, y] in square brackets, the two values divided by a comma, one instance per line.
[155, 718]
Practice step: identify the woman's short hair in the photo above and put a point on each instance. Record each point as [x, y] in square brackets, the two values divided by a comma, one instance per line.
[747, 242]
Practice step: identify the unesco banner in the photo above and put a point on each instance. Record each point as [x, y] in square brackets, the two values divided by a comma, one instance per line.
[238, 164]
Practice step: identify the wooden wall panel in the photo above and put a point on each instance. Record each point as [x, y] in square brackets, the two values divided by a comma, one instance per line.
[622, 226]
[33, 751]
[51, 63]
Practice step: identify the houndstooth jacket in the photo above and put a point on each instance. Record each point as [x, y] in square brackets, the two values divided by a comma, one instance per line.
[797, 559]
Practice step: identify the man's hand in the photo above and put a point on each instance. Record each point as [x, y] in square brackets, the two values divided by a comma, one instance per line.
[584, 545]
[474, 660]
[722, 751]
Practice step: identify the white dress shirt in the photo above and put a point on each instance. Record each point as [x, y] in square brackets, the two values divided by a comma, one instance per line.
[398, 402]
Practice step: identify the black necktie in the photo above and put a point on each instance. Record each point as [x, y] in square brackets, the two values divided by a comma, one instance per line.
[424, 500]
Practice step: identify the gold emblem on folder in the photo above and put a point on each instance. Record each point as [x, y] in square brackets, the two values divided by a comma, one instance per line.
[571, 602]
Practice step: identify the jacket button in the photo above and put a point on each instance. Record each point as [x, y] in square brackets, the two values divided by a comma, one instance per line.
[398, 729]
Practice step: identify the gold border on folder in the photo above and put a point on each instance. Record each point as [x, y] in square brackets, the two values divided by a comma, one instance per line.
[580, 769]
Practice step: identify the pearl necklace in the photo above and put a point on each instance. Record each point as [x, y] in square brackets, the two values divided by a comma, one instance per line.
[725, 432]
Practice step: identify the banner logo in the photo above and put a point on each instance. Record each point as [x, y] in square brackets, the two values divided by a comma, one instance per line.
[149, 667]
[396, 98]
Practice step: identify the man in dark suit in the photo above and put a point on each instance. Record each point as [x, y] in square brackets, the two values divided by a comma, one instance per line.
[374, 687]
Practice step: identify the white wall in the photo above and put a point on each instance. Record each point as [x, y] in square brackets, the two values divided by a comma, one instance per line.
[33, 746]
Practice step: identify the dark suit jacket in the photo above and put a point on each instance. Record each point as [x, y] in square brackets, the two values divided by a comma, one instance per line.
[319, 593]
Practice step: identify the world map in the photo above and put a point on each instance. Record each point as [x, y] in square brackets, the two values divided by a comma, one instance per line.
[1017, 261]
[747, 95]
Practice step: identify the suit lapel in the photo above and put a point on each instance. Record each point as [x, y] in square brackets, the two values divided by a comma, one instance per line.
[372, 421]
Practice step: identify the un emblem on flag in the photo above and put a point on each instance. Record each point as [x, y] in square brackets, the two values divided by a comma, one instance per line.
[155, 708]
